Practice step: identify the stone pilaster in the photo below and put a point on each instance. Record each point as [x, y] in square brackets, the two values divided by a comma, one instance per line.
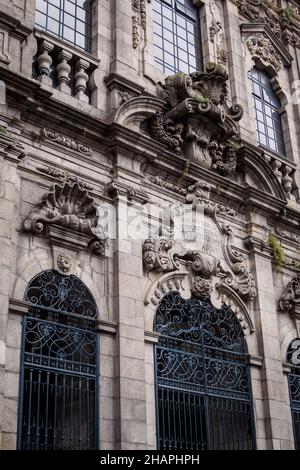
[128, 268]
[272, 415]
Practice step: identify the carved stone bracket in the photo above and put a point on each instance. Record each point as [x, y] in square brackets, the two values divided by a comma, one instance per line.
[197, 120]
[68, 206]
[290, 300]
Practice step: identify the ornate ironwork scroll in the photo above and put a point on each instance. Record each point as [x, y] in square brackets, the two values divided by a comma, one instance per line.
[59, 375]
[202, 375]
[293, 358]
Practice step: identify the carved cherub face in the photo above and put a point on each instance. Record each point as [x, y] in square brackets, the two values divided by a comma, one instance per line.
[64, 262]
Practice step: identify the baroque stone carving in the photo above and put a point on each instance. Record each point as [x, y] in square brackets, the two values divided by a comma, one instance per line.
[65, 141]
[64, 262]
[202, 288]
[207, 252]
[65, 176]
[261, 48]
[290, 301]
[70, 206]
[288, 235]
[198, 122]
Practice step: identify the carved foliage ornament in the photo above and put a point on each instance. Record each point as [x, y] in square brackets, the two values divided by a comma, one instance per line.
[283, 22]
[64, 262]
[65, 141]
[67, 205]
[261, 48]
[197, 120]
[212, 256]
[290, 301]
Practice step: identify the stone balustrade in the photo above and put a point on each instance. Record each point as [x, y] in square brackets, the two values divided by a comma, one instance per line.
[64, 67]
[284, 170]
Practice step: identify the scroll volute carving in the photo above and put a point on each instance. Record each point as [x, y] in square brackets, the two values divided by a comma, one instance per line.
[70, 206]
[197, 120]
[205, 250]
[290, 300]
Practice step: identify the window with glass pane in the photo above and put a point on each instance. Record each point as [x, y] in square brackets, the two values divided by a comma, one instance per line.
[266, 109]
[67, 19]
[177, 43]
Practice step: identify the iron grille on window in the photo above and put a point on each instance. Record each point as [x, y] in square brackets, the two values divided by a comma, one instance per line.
[266, 109]
[67, 19]
[293, 357]
[177, 43]
[203, 387]
[59, 370]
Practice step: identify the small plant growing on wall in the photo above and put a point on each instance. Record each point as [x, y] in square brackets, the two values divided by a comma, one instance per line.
[278, 251]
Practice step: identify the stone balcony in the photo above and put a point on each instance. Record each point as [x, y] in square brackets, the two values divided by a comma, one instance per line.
[68, 69]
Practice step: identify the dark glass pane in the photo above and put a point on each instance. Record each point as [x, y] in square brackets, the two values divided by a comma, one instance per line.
[172, 23]
[63, 16]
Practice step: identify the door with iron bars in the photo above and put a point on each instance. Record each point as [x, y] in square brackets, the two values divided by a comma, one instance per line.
[59, 366]
[293, 358]
[203, 385]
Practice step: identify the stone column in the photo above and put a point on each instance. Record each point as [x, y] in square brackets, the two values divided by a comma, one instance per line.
[271, 409]
[128, 269]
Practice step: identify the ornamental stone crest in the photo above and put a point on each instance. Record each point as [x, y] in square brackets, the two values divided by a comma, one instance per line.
[70, 206]
[64, 262]
[197, 120]
[290, 300]
[261, 48]
[200, 244]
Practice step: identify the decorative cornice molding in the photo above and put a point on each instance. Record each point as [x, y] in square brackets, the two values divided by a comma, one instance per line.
[117, 189]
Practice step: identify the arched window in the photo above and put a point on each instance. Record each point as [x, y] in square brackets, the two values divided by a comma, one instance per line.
[59, 366]
[177, 42]
[293, 358]
[266, 109]
[68, 19]
[203, 390]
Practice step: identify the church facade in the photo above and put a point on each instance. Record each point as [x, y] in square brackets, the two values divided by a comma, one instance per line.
[150, 224]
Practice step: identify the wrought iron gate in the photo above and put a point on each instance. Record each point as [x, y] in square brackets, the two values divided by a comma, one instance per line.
[203, 382]
[59, 370]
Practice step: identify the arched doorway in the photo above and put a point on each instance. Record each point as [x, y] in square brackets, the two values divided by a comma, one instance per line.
[59, 366]
[293, 358]
[203, 386]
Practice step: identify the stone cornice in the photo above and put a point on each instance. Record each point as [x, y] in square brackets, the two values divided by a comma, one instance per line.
[14, 26]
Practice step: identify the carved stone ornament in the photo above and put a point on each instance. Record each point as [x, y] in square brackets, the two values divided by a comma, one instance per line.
[197, 120]
[64, 262]
[68, 205]
[261, 48]
[283, 22]
[290, 301]
[199, 243]
[65, 141]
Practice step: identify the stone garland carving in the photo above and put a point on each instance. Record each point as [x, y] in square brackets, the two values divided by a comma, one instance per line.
[162, 254]
[135, 32]
[290, 301]
[198, 121]
[217, 37]
[70, 206]
[261, 48]
[138, 19]
[65, 176]
[65, 141]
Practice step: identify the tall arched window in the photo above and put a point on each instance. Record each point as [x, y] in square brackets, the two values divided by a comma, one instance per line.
[266, 109]
[59, 366]
[67, 19]
[203, 390]
[177, 42]
[293, 358]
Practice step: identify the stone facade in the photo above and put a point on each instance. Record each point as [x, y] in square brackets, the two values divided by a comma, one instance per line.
[128, 136]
